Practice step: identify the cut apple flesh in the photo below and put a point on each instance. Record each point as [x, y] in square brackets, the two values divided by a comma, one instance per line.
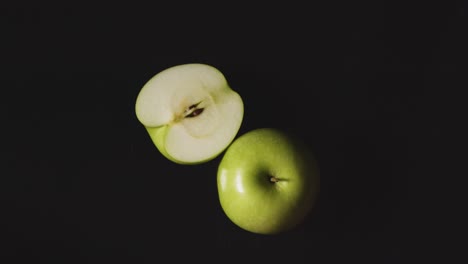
[190, 112]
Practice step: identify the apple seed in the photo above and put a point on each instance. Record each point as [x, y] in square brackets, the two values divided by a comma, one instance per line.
[193, 111]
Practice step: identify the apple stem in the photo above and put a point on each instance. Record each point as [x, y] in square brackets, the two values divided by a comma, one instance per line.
[274, 179]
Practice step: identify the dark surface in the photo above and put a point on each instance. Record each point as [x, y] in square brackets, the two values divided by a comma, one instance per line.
[361, 83]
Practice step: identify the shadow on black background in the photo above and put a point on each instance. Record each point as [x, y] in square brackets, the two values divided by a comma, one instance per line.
[84, 184]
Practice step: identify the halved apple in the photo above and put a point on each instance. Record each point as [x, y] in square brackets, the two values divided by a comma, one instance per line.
[190, 112]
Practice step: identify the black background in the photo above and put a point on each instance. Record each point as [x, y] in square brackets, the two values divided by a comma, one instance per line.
[361, 82]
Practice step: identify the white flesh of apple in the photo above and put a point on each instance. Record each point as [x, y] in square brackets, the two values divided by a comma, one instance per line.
[201, 112]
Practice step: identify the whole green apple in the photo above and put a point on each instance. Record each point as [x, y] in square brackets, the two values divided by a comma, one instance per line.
[268, 181]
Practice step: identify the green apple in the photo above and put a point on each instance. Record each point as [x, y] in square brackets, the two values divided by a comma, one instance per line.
[268, 181]
[190, 112]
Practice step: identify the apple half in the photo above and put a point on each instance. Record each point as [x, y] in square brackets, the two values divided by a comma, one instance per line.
[190, 112]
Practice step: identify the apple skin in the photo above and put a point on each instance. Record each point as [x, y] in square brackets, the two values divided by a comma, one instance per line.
[157, 135]
[248, 196]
